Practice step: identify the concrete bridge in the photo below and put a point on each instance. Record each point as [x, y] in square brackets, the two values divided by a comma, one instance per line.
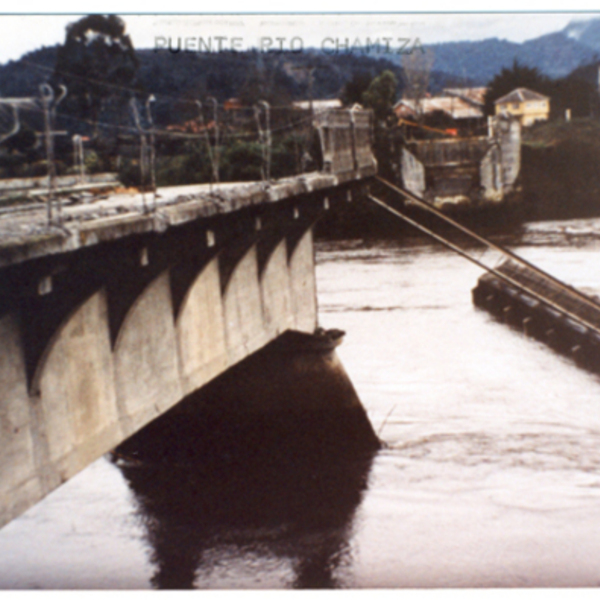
[133, 303]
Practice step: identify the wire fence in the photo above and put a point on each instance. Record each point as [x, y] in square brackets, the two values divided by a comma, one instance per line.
[221, 142]
[134, 135]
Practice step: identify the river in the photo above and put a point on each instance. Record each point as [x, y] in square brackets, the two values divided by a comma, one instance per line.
[490, 475]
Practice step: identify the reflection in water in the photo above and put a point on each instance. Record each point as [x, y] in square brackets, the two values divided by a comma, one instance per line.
[267, 463]
[260, 501]
[491, 476]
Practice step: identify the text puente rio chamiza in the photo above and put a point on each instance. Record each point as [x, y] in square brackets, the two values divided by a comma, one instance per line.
[113, 317]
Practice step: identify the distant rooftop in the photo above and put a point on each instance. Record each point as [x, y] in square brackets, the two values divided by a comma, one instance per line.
[318, 105]
[520, 95]
[475, 95]
[455, 107]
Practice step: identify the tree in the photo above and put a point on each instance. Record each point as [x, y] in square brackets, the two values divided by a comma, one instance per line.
[98, 65]
[416, 69]
[381, 95]
[265, 80]
[356, 87]
[577, 95]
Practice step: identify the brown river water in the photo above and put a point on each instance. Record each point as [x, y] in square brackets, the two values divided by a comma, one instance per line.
[490, 476]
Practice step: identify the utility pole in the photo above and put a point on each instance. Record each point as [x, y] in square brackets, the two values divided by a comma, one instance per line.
[143, 151]
[49, 106]
[207, 140]
[216, 154]
[151, 99]
[78, 157]
[309, 69]
[265, 137]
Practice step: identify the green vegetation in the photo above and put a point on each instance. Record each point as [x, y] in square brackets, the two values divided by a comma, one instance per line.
[98, 65]
[560, 169]
[380, 96]
[555, 132]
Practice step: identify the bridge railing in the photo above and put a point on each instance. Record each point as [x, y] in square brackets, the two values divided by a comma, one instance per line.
[346, 140]
[219, 143]
[264, 142]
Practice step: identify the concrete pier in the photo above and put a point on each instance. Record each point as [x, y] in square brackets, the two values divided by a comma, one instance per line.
[133, 302]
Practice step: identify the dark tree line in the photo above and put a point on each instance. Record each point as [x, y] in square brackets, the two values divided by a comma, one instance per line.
[98, 65]
[573, 92]
[103, 72]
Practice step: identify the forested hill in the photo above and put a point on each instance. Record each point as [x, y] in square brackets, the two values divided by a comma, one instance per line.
[282, 77]
[22, 77]
[555, 55]
[277, 77]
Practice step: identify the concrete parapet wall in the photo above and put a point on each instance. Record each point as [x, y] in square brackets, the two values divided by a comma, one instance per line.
[346, 141]
[508, 133]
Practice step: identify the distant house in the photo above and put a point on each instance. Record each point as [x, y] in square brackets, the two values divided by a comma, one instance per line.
[456, 111]
[454, 107]
[525, 105]
[317, 105]
[474, 96]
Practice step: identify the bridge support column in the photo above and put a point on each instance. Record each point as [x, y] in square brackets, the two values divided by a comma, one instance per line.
[73, 391]
[276, 293]
[304, 290]
[18, 481]
[146, 360]
[201, 331]
[242, 308]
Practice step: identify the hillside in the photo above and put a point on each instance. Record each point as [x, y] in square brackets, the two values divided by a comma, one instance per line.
[586, 32]
[284, 75]
[278, 78]
[555, 54]
[561, 169]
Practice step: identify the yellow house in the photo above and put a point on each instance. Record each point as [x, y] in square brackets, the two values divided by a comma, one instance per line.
[524, 104]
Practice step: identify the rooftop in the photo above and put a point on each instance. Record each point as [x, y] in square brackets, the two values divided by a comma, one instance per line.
[521, 95]
[475, 95]
[455, 107]
[318, 105]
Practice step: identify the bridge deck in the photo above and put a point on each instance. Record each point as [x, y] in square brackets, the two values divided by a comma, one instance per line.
[515, 276]
[25, 234]
[554, 292]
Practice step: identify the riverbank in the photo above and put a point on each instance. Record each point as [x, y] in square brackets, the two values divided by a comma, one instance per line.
[363, 219]
[559, 179]
[560, 170]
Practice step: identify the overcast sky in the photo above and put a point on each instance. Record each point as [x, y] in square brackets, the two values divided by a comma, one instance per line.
[22, 33]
